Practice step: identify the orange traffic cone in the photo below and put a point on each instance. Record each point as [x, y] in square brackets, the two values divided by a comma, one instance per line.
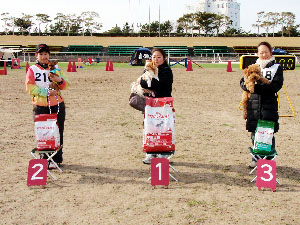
[111, 66]
[229, 68]
[27, 66]
[69, 67]
[189, 66]
[107, 66]
[74, 67]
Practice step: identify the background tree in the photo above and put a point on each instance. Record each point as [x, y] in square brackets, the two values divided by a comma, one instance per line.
[42, 18]
[287, 19]
[126, 28]
[206, 21]
[184, 22]
[274, 18]
[154, 27]
[89, 21]
[166, 27]
[23, 24]
[5, 18]
[258, 21]
[293, 30]
[28, 17]
[267, 22]
[179, 29]
[115, 29]
[222, 21]
[11, 23]
[59, 26]
[144, 28]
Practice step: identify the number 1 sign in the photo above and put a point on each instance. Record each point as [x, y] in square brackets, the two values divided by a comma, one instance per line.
[159, 171]
[37, 172]
[266, 174]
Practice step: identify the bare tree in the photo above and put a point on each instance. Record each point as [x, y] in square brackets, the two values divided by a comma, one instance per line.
[274, 18]
[267, 23]
[259, 21]
[89, 21]
[5, 18]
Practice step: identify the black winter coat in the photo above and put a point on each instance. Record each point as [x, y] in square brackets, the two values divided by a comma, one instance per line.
[163, 87]
[263, 102]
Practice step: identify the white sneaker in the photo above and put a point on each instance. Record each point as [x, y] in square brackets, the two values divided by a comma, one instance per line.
[252, 164]
[51, 166]
[167, 156]
[148, 158]
[162, 156]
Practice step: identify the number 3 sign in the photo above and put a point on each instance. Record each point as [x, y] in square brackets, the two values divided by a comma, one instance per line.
[37, 172]
[266, 174]
[159, 171]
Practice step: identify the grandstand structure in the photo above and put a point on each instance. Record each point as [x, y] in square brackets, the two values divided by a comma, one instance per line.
[121, 50]
[122, 53]
[175, 50]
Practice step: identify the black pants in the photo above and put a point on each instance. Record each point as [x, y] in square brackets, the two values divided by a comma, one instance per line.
[272, 147]
[60, 120]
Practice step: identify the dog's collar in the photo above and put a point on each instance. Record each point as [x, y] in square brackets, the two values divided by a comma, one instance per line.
[54, 71]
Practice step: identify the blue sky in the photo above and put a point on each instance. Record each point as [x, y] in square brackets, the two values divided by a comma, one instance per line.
[117, 11]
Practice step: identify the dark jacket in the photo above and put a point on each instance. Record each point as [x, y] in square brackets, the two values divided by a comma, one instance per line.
[163, 87]
[263, 102]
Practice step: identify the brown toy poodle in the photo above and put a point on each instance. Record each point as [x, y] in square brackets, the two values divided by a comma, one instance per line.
[252, 75]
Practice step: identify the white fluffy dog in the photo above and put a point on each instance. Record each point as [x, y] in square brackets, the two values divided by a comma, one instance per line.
[151, 72]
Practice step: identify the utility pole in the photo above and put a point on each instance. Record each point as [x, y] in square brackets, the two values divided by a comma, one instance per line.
[159, 20]
[149, 20]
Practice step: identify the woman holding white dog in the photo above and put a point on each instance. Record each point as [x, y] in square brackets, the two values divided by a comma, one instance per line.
[263, 103]
[161, 87]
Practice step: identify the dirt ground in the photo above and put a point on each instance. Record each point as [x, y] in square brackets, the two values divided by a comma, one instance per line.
[104, 180]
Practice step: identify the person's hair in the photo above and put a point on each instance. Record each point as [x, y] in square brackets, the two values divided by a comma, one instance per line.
[161, 51]
[265, 44]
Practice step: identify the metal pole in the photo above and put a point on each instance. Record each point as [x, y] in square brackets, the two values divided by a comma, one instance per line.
[159, 20]
[149, 20]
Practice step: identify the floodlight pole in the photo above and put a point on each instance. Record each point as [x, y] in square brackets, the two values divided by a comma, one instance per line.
[149, 20]
[159, 20]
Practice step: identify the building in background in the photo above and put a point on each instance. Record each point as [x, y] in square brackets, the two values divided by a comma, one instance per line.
[230, 8]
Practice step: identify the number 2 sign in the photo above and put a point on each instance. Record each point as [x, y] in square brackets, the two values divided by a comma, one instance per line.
[159, 171]
[37, 172]
[266, 174]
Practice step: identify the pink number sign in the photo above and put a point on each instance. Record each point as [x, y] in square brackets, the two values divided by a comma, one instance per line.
[37, 172]
[159, 171]
[266, 174]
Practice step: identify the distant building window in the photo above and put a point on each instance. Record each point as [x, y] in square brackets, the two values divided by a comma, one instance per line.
[218, 6]
[222, 5]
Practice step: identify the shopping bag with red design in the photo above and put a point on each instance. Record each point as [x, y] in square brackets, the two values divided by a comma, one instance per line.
[159, 125]
[46, 132]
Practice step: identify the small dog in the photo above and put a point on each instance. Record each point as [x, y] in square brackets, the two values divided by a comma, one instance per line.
[51, 65]
[151, 72]
[251, 75]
